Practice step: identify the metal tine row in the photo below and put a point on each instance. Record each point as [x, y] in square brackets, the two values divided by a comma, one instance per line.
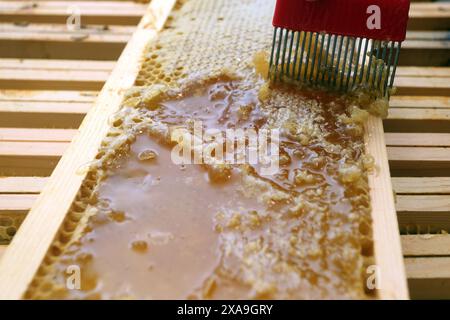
[341, 60]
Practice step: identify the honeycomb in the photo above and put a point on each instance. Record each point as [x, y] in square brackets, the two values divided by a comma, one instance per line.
[144, 227]
[9, 224]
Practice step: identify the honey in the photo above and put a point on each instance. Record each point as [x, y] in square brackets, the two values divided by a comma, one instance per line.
[199, 231]
[145, 227]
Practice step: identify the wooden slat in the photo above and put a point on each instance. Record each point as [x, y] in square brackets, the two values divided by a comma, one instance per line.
[423, 213]
[32, 149]
[42, 114]
[416, 139]
[421, 86]
[409, 185]
[416, 113]
[406, 151]
[418, 120]
[421, 185]
[2, 250]
[423, 81]
[429, 16]
[422, 15]
[45, 64]
[41, 166]
[419, 158]
[426, 245]
[92, 12]
[22, 184]
[429, 278]
[38, 135]
[52, 75]
[424, 203]
[16, 202]
[431, 72]
[29, 158]
[44, 109]
[69, 115]
[66, 135]
[426, 48]
[56, 41]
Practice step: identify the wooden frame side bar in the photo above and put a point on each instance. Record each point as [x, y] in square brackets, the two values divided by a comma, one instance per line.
[26, 252]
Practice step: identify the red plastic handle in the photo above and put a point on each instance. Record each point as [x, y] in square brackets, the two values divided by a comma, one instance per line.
[373, 19]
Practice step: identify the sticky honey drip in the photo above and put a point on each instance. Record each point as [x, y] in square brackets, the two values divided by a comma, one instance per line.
[143, 227]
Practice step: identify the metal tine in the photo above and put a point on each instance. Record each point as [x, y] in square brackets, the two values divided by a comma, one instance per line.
[344, 62]
[383, 57]
[389, 65]
[290, 53]
[308, 55]
[339, 72]
[355, 71]
[273, 50]
[278, 53]
[354, 40]
[301, 56]
[327, 53]
[397, 53]
[336, 72]
[297, 47]
[363, 62]
[286, 36]
[369, 66]
[332, 59]
[322, 40]
[313, 62]
[376, 65]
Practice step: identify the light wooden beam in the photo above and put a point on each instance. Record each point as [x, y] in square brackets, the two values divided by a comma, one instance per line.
[429, 278]
[421, 185]
[18, 185]
[431, 245]
[53, 74]
[387, 246]
[92, 12]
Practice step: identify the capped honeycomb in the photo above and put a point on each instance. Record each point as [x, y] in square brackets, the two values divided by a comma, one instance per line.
[145, 227]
